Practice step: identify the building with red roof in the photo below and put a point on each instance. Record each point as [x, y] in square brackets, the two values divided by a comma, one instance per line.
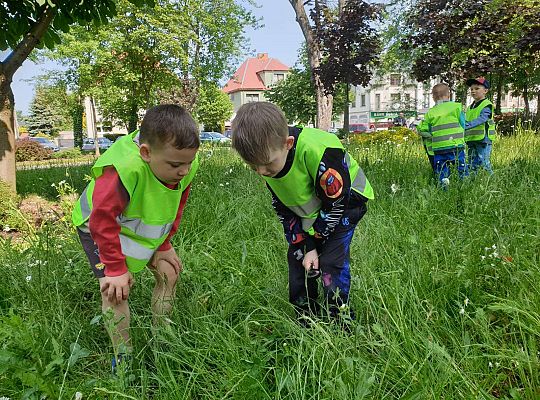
[253, 78]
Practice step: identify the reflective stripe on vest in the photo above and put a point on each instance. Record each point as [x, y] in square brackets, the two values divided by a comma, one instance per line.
[137, 226]
[313, 205]
[445, 126]
[135, 250]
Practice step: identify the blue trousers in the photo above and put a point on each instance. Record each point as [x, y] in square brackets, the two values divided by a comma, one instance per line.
[444, 162]
[479, 156]
[334, 255]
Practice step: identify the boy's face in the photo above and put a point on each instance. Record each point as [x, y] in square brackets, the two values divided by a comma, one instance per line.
[276, 160]
[478, 92]
[168, 163]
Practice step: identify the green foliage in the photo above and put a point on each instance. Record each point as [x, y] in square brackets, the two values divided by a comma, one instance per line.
[68, 153]
[77, 115]
[213, 108]
[28, 150]
[10, 219]
[44, 181]
[508, 123]
[296, 95]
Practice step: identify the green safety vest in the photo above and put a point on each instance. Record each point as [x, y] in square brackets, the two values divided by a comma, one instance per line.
[446, 130]
[152, 209]
[296, 189]
[479, 132]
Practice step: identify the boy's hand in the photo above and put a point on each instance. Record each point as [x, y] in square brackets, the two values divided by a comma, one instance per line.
[311, 260]
[169, 256]
[116, 288]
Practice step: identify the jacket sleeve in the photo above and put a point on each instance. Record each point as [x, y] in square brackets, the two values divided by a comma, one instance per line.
[424, 129]
[332, 187]
[109, 199]
[292, 225]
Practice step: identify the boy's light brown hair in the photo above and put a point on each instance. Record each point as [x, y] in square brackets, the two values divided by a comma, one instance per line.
[257, 129]
[169, 124]
[440, 91]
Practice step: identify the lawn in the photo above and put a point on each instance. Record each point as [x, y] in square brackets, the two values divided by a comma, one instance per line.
[445, 290]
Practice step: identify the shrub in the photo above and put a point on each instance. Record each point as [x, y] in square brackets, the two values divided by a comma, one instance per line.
[397, 135]
[70, 153]
[507, 123]
[28, 150]
[10, 218]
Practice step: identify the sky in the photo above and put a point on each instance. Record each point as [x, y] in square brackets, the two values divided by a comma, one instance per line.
[280, 37]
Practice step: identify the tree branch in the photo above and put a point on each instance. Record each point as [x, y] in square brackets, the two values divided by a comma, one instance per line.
[29, 42]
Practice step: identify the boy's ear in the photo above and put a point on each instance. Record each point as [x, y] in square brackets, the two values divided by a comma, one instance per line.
[289, 142]
[144, 151]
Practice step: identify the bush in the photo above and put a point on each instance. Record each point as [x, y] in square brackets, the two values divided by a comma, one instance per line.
[28, 150]
[10, 219]
[508, 122]
[70, 153]
[398, 135]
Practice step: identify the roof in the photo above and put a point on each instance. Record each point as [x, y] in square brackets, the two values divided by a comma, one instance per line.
[247, 76]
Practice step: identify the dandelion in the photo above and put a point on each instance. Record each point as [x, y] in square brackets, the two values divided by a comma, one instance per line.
[394, 188]
[28, 278]
[462, 311]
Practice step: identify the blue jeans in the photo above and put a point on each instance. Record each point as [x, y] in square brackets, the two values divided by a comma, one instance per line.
[479, 155]
[444, 161]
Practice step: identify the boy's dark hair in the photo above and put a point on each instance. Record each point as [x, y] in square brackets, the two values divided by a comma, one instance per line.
[257, 129]
[169, 124]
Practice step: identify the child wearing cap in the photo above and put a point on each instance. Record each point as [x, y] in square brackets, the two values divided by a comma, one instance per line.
[479, 126]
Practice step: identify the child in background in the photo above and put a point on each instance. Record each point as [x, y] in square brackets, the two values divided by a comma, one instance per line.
[480, 127]
[444, 123]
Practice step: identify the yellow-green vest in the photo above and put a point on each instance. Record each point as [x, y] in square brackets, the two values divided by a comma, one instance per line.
[429, 146]
[444, 122]
[152, 209]
[296, 189]
[479, 132]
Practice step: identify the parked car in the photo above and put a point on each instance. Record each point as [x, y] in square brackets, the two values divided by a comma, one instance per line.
[89, 145]
[214, 137]
[362, 127]
[46, 143]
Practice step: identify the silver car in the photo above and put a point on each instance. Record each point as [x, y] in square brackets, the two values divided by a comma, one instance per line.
[44, 142]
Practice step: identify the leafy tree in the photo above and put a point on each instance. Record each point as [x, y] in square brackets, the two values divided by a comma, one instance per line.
[163, 54]
[342, 45]
[25, 25]
[213, 108]
[296, 95]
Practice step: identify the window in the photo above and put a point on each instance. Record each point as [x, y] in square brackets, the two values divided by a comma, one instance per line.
[395, 79]
[407, 99]
[363, 100]
[395, 98]
[252, 98]
[278, 77]
[377, 102]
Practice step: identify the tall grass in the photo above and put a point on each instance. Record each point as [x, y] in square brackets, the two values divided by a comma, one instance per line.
[445, 291]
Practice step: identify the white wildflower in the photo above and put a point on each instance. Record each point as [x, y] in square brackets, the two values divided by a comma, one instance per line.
[4, 398]
[495, 254]
[490, 364]
[445, 181]
[226, 183]
[230, 171]
[221, 184]
[6, 229]
[394, 188]
[78, 396]
[462, 311]
[466, 301]
[28, 278]
[62, 182]
[494, 247]
[482, 257]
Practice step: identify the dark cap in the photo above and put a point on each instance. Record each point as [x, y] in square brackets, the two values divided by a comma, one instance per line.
[478, 81]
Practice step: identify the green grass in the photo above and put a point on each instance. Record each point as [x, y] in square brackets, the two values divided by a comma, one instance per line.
[441, 313]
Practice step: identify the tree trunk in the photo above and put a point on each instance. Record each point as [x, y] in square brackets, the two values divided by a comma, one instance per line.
[346, 110]
[133, 118]
[538, 106]
[499, 96]
[7, 134]
[526, 100]
[7, 102]
[78, 111]
[324, 101]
